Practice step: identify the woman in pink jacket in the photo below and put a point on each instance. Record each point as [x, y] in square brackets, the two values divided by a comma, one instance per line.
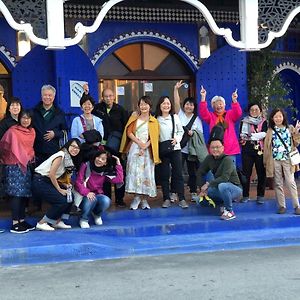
[220, 116]
[89, 184]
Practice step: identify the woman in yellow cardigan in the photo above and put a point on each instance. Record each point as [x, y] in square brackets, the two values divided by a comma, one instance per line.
[140, 140]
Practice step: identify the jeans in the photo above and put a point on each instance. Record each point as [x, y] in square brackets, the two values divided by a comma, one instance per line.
[97, 206]
[225, 192]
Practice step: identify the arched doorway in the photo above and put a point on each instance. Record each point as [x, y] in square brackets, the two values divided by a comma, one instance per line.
[143, 69]
[5, 80]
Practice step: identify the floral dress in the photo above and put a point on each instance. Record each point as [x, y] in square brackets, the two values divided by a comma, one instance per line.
[140, 168]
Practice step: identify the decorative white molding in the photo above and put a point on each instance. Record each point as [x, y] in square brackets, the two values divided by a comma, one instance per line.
[143, 33]
[287, 65]
[10, 57]
[55, 24]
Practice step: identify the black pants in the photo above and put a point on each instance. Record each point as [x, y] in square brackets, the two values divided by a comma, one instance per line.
[175, 160]
[17, 208]
[119, 192]
[192, 167]
[248, 160]
[43, 189]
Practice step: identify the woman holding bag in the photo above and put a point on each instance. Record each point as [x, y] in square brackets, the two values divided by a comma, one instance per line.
[280, 140]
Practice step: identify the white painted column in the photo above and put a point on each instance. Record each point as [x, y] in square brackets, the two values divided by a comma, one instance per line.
[248, 10]
[55, 24]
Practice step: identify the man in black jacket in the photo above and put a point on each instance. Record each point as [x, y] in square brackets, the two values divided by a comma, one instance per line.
[114, 118]
[49, 124]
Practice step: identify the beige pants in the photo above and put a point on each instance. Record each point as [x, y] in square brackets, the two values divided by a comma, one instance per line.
[284, 167]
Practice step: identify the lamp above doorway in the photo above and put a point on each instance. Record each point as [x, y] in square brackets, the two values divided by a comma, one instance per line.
[204, 42]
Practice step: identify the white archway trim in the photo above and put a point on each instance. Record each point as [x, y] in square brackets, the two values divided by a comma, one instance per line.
[287, 65]
[158, 36]
[10, 57]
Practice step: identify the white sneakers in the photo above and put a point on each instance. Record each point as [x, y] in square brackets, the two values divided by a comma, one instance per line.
[84, 224]
[98, 220]
[47, 227]
[135, 203]
[43, 227]
[145, 204]
[61, 225]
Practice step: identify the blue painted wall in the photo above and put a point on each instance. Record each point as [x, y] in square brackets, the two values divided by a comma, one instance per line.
[57, 68]
[8, 36]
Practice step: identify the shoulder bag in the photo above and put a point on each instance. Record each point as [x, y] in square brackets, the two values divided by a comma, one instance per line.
[167, 147]
[187, 128]
[293, 155]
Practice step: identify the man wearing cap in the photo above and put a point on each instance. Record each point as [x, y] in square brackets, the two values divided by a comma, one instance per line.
[225, 118]
[226, 186]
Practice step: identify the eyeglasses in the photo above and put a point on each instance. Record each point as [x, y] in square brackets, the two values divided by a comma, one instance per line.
[216, 147]
[108, 96]
[75, 147]
[254, 109]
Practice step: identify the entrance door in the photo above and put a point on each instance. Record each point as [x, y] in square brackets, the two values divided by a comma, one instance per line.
[144, 69]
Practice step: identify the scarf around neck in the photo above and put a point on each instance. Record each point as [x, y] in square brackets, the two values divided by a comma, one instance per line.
[17, 146]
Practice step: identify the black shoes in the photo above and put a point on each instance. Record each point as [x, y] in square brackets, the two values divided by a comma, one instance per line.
[18, 228]
[27, 225]
[22, 227]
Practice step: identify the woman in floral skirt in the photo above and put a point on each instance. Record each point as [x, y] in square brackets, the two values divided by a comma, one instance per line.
[140, 141]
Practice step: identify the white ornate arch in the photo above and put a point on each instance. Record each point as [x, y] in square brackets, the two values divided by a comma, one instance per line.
[10, 58]
[287, 65]
[146, 34]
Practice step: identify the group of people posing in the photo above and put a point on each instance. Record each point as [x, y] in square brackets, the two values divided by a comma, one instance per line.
[108, 148]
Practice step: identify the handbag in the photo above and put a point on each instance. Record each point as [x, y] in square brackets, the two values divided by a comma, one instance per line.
[114, 140]
[187, 128]
[167, 147]
[293, 155]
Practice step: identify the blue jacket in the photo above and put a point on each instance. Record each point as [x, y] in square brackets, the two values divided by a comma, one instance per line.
[77, 128]
[57, 123]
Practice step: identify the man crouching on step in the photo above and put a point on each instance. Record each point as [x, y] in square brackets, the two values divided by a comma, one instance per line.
[226, 186]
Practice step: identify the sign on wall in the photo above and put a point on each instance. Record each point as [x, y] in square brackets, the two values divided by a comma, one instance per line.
[76, 91]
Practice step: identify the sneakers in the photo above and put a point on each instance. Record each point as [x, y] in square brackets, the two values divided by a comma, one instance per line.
[228, 215]
[145, 204]
[166, 204]
[135, 203]
[120, 203]
[84, 224]
[173, 197]
[281, 210]
[27, 225]
[2, 230]
[44, 227]
[183, 204]
[97, 219]
[18, 228]
[260, 200]
[195, 197]
[297, 210]
[245, 199]
[61, 225]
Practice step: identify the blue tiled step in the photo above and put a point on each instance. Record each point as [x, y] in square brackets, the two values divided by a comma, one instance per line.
[44, 248]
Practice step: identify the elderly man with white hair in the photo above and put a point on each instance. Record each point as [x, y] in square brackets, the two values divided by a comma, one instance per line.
[225, 118]
[49, 123]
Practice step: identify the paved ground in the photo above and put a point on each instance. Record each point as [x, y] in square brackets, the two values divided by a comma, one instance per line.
[269, 274]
